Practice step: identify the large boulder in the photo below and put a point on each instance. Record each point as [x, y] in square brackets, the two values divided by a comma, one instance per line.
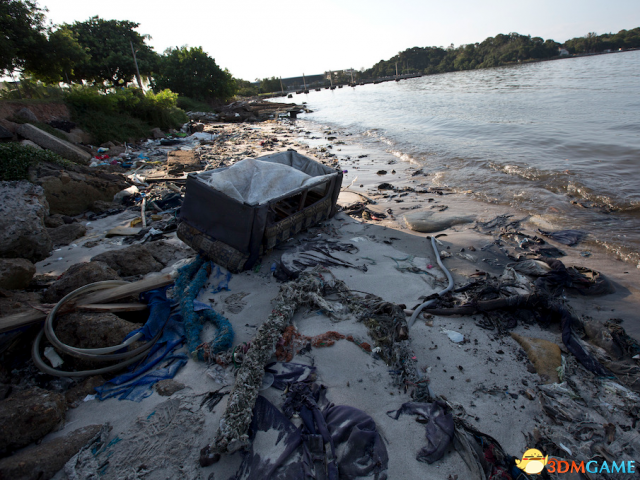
[26, 114]
[16, 273]
[74, 190]
[22, 231]
[65, 234]
[61, 147]
[93, 330]
[77, 276]
[28, 415]
[141, 259]
[45, 460]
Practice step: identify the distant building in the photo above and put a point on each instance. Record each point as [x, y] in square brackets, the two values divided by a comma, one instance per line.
[563, 52]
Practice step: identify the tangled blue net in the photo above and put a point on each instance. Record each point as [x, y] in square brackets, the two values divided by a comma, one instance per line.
[191, 279]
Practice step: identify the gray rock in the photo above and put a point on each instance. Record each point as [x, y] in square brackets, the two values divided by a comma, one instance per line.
[141, 259]
[77, 276]
[93, 330]
[16, 273]
[74, 190]
[61, 147]
[22, 232]
[53, 221]
[5, 134]
[28, 415]
[29, 143]
[100, 206]
[45, 460]
[157, 133]
[427, 221]
[168, 387]
[26, 114]
[76, 395]
[67, 233]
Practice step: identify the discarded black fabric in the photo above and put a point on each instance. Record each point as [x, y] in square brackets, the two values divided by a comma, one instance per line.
[311, 254]
[169, 201]
[333, 442]
[589, 282]
[566, 237]
[440, 428]
[275, 442]
[285, 374]
[484, 456]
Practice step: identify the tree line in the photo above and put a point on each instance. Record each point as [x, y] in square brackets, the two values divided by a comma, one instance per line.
[103, 53]
[496, 51]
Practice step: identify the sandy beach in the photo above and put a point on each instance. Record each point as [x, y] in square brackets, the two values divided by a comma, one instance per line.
[486, 379]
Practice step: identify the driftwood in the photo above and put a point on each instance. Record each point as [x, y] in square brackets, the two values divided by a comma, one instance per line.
[517, 301]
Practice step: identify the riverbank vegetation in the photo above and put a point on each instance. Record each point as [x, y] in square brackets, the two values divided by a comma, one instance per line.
[496, 51]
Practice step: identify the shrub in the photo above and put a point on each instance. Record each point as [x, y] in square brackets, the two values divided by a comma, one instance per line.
[124, 113]
[15, 160]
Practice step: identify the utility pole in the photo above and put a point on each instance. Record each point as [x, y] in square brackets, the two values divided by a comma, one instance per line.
[281, 87]
[135, 60]
[351, 74]
[304, 82]
[396, 69]
[331, 77]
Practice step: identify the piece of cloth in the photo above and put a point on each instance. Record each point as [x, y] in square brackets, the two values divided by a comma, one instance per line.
[333, 442]
[439, 430]
[285, 374]
[161, 363]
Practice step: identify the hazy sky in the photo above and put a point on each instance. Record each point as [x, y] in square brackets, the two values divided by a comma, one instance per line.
[256, 39]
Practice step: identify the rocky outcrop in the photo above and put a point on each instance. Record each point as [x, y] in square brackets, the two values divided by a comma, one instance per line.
[61, 147]
[141, 259]
[75, 189]
[28, 415]
[65, 234]
[93, 330]
[45, 460]
[77, 276]
[16, 273]
[23, 207]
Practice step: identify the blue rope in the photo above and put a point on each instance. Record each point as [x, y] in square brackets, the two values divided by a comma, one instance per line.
[191, 279]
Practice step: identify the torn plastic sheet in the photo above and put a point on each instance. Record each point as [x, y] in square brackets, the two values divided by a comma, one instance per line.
[257, 182]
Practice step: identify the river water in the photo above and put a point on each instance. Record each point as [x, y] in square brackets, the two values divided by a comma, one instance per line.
[558, 138]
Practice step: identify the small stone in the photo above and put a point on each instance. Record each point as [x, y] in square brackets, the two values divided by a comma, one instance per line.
[530, 394]
[168, 387]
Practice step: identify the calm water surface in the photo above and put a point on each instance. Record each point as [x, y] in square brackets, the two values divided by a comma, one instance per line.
[559, 138]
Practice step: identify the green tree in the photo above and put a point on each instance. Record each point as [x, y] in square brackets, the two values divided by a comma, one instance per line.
[109, 43]
[269, 85]
[59, 57]
[246, 88]
[22, 33]
[193, 73]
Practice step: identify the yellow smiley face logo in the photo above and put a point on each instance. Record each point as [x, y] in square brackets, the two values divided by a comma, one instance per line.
[532, 461]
